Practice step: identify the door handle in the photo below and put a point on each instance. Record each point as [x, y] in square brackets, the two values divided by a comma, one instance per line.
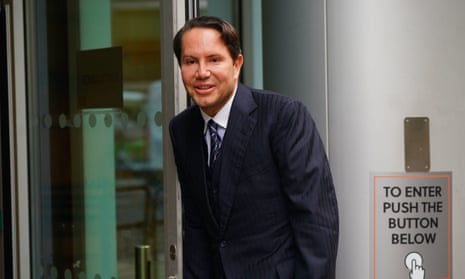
[143, 262]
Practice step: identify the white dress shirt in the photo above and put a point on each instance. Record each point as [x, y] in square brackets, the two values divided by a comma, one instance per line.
[221, 118]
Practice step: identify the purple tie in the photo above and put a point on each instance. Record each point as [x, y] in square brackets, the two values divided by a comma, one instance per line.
[215, 141]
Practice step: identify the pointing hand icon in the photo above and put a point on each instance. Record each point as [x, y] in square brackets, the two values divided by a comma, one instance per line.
[414, 262]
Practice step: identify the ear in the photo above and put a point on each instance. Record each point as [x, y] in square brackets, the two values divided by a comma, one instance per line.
[238, 64]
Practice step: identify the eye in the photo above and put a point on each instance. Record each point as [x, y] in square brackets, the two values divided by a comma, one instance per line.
[215, 59]
[189, 61]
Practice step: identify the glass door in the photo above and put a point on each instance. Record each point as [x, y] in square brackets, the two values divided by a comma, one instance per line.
[95, 137]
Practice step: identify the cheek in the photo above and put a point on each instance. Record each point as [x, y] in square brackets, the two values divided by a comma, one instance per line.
[186, 82]
[186, 75]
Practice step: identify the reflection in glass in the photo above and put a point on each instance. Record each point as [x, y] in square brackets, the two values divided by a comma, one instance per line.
[96, 171]
[138, 142]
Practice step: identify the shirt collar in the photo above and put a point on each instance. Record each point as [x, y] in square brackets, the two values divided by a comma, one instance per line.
[222, 116]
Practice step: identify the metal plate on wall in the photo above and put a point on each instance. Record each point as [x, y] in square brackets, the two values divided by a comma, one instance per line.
[416, 144]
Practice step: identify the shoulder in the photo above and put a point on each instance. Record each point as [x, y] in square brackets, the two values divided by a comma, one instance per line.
[273, 98]
[189, 114]
[187, 123]
[277, 104]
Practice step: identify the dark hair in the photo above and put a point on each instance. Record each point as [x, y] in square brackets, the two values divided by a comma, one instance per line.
[229, 35]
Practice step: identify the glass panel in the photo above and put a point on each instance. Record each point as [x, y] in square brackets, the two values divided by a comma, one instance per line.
[225, 9]
[95, 116]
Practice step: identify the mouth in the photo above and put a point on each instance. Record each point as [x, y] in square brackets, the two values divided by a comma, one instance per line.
[204, 89]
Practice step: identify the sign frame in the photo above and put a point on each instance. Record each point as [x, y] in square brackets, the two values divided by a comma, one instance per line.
[378, 183]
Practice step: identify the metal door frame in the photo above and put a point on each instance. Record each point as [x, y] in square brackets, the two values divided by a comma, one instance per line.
[18, 163]
[173, 15]
[5, 204]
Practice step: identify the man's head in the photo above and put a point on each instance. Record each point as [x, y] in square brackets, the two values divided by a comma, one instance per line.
[209, 55]
[229, 35]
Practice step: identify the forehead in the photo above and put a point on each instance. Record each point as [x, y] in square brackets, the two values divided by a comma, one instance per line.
[201, 38]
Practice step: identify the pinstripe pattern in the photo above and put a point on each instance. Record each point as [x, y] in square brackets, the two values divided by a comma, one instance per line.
[278, 215]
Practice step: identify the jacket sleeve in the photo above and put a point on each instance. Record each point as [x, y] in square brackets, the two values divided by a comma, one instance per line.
[307, 183]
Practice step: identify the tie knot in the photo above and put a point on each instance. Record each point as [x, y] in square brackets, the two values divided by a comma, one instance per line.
[212, 125]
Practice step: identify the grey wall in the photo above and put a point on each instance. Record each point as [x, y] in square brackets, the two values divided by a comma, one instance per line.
[387, 60]
[294, 53]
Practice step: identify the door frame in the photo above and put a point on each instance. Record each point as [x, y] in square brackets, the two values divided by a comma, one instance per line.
[173, 16]
[5, 193]
[18, 163]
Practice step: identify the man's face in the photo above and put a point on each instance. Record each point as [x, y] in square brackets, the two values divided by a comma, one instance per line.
[208, 71]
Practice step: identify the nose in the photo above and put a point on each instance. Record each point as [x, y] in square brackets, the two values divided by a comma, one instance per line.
[202, 71]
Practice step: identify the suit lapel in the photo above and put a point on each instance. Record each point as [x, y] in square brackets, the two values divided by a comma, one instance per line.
[241, 124]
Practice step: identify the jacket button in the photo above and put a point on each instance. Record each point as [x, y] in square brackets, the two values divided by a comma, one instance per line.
[223, 244]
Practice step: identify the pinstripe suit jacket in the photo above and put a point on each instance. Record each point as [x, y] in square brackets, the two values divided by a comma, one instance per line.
[278, 215]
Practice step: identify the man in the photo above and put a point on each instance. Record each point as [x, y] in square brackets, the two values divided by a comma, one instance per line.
[258, 198]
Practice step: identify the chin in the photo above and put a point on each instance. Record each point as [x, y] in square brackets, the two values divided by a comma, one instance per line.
[203, 101]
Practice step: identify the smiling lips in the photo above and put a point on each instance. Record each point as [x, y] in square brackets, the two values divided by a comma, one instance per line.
[204, 89]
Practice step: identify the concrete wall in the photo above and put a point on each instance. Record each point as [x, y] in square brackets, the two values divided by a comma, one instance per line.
[294, 53]
[388, 60]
